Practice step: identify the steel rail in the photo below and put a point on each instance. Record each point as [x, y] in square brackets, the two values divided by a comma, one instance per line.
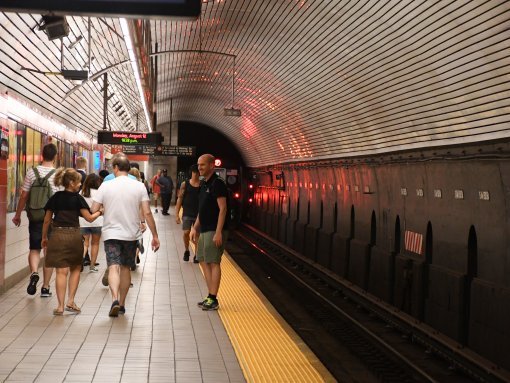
[475, 366]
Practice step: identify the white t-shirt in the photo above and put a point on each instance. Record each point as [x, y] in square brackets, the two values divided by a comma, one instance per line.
[98, 222]
[121, 198]
[43, 171]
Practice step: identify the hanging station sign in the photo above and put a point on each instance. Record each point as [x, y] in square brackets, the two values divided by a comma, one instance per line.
[159, 150]
[117, 8]
[129, 138]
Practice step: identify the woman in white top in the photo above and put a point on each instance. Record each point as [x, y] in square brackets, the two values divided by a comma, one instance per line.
[91, 231]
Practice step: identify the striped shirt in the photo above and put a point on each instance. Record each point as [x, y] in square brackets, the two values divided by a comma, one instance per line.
[43, 171]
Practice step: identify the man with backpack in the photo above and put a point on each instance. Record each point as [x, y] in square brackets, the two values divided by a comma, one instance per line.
[188, 200]
[37, 189]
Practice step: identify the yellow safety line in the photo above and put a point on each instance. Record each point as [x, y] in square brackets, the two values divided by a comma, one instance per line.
[267, 348]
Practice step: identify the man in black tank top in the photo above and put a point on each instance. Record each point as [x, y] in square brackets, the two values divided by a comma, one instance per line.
[188, 200]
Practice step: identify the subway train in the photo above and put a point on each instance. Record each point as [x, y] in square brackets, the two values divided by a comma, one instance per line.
[372, 138]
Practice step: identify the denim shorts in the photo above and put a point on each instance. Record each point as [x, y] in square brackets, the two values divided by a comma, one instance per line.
[90, 230]
[35, 235]
[120, 252]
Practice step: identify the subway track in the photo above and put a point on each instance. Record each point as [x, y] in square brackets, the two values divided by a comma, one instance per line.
[356, 341]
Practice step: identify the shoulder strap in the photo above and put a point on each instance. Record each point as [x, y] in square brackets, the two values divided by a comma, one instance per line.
[47, 176]
[36, 172]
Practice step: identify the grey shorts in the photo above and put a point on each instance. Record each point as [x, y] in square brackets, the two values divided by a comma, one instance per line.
[206, 249]
[120, 252]
[187, 222]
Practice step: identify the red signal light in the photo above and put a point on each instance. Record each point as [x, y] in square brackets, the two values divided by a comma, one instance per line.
[250, 200]
[250, 186]
[217, 162]
[236, 195]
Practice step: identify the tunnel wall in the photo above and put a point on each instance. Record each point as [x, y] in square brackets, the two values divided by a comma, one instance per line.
[424, 231]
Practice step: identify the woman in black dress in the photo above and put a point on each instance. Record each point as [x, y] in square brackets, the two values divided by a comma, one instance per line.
[64, 244]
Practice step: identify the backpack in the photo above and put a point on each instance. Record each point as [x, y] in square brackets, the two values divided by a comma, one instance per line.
[40, 193]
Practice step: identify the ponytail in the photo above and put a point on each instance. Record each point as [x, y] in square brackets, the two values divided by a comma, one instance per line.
[64, 177]
[59, 176]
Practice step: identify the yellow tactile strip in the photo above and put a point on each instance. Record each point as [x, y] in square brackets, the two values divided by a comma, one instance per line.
[267, 348]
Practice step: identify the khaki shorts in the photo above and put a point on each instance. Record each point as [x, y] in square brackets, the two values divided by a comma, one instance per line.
[206, 249]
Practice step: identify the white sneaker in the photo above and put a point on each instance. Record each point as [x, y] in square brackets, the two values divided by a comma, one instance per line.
[93, 269]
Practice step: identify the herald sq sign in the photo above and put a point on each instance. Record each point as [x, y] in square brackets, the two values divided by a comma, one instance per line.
[129, 138]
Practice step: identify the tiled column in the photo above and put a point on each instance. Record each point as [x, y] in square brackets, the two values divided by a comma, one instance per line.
[170, 137]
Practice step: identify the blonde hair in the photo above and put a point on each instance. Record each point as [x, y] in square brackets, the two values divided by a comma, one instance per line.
[135, 172]
[64, 177]
[81, 162]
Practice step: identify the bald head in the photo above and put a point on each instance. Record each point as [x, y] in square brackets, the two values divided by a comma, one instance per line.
[207, 158]
[206, 165]
[121, 161]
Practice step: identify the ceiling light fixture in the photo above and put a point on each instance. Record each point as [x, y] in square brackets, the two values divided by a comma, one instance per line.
[232, 111]
[134, 65]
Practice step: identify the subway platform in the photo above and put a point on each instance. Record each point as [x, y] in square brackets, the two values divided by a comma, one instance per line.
[163, 337]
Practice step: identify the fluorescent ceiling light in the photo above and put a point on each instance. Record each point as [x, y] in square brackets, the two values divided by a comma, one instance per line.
[13, 117]
[134, 65]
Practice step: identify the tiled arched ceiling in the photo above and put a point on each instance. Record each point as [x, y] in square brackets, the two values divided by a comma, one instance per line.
[319, 79]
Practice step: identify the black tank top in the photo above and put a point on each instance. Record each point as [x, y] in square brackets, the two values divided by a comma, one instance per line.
[190, 200]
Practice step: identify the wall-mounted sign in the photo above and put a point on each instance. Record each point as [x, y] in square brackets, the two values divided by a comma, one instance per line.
[129, 138]
[179, 151]
[159, 150]
[97, 160]
[4, 144]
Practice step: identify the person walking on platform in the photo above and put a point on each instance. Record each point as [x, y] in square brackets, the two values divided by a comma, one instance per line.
[156, 189]
[81, 167]
[188, 200]
[35, 192]
[91, 231]
[212, 221]
[166, 187]
[121, 199]
[64, 248]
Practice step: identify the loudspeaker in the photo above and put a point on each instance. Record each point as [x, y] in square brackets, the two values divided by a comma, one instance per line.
[55, 27]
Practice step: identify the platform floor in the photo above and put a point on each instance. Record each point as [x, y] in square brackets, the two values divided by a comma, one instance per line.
[164, 336]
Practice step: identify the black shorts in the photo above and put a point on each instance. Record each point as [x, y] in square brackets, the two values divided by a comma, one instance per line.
[120, 252]
[35, 234]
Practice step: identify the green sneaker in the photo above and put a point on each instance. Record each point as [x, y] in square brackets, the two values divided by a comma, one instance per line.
[201, 303]
[210, 304]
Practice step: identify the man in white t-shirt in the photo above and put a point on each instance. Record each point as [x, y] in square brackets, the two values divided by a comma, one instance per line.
[49, 153]
[121, 199]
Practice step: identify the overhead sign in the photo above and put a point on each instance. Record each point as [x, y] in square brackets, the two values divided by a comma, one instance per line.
[129, 138]
[160, 150]
[116, 8]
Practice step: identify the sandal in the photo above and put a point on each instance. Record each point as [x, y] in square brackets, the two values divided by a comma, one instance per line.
[58, 312]
[73, 308]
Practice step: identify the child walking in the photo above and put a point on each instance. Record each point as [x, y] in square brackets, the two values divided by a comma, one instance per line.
[63, 241]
